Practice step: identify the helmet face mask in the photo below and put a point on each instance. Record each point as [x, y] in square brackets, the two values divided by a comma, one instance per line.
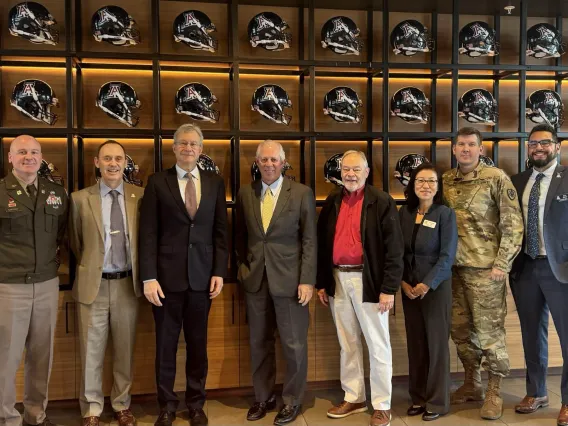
[118, 100]
[341, 104]
[115, 26]
[34, 99]
[49, 171]
[33, 22]
[544, 41]
[412, 105]
[341, 35]
[196, 100]
[545, 106]
[406, 165]
[269, 101]
[410, 37]
[478, 39]
[192, 27]
[478, 106]
[266, 30]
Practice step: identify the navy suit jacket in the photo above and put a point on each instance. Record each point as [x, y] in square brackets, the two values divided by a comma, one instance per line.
[435, 246]
[555, 222]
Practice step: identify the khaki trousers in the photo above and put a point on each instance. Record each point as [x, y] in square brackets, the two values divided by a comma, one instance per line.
[114, 312]
[28, 314]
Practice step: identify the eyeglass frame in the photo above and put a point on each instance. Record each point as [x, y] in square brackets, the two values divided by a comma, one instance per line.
[547, 143]
[420, 182]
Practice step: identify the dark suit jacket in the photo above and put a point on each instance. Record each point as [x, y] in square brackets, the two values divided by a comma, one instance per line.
[555, 222]
[434, 249]
[381, 238]
[287, 249]
[179, 252]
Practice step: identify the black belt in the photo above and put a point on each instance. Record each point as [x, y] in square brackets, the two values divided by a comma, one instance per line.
[349, 268]
[116, 275]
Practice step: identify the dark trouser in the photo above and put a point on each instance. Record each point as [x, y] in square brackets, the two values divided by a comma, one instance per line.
[427, 333]
[536, 291]
[189, 309]
[265, 313]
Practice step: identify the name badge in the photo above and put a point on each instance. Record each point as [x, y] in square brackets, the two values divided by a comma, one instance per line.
[429, 224]
[562, 197]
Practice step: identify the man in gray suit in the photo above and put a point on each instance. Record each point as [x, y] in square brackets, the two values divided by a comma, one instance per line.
[276, 256]
[539, 278]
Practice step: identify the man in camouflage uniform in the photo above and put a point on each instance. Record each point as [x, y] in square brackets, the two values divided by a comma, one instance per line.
[490, 230]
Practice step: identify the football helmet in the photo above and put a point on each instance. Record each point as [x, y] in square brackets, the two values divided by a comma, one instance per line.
[204, 162]
[544, 41]
[341, 35]
[406, 165]
[545, 106]
[486, 160]
[255, 171]
[478, 39]
[196, 100]
[34, 98]
[118, 100]
[269, 101]
[49, 171]
[410, 37]
[115, 26]
[129, 173]
[478, 106]
[412, 105]
[332, 170]
[267, 31]
[192, 27]
[32, 21]
[342, 104]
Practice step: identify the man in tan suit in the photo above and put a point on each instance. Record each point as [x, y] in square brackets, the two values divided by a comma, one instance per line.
[104, 238]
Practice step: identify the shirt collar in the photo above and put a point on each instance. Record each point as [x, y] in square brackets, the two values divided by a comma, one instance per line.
[274, 186]
[356, 194]
[474, 172]
[181, 172]
[548, 172]
[105, 189]
[22, 183]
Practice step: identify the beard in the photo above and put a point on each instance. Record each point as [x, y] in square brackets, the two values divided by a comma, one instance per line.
[543, 162]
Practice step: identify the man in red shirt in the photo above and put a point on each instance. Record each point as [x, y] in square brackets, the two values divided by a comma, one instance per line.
[360, 265]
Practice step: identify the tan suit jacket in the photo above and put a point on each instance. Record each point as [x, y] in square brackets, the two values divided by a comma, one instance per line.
[86, 236]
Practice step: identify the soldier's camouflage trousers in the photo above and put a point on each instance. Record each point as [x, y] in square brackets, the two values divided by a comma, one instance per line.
[479, 308]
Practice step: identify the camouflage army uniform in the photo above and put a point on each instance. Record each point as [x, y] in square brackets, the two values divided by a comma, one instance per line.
[490, 234]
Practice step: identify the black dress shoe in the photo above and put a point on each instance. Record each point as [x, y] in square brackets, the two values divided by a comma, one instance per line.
[414, 410]
[197, 417]
[287, 414]
[166, 418]
[259, 409]
[428, 416]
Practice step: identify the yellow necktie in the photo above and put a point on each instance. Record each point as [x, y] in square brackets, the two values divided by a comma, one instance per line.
[267, 208]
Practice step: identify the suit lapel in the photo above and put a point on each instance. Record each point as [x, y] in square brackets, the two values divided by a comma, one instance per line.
[282, 201]
[206, 189]
[173, 184]
[18, 193]
[523, 180]
[130, 203]
[96, 207]
[554, 183]
[256, 188]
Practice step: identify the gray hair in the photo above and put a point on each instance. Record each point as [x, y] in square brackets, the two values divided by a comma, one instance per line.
[186, 128]
[268, 142]
[361, 154]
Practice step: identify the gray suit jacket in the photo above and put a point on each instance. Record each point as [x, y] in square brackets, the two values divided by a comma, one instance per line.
[555, 219]
[287, 249]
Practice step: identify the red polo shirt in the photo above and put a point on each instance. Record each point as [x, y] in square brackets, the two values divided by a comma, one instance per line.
[347, 246]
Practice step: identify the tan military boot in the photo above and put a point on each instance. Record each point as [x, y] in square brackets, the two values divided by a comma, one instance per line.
[471, 390]
[492, 408]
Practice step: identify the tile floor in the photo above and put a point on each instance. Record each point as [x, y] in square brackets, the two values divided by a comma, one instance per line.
[232, 410]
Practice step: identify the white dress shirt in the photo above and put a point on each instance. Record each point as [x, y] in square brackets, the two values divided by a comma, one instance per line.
[106, 201]
[544, 185]
[275, 187]
[182, 181]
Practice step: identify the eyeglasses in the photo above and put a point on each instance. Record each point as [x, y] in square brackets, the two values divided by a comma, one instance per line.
[545, 143]
[431, 182]
[185, 144]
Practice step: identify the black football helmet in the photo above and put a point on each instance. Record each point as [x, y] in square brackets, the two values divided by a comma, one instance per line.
[412, 105]
[193, 27]
[545, 106]
[49, 171]
[267, 31]
[406, 165]
[255, 171]
[196, 100]
[118, 100]
[129, 174]
[32, 21]
[341, 35]
[332, 170]
[115, 26]
[486, 160]
[34, 98]
[478, 106]
[410, 37]
[544, 41]
[204, 162]
[342, 104]
[270, 100]
[478, 39]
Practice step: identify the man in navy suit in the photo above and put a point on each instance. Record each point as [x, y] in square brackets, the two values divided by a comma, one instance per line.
[539, 278]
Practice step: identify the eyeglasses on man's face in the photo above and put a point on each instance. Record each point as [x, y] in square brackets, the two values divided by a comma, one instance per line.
[431, 182]
[186, 144]
[545, 143]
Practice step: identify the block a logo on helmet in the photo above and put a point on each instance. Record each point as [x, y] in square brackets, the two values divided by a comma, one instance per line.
[34, 99]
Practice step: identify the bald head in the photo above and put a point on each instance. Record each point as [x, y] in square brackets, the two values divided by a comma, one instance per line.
[25, 156]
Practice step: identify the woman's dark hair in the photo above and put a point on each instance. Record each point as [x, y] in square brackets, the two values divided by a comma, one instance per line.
[412, 198]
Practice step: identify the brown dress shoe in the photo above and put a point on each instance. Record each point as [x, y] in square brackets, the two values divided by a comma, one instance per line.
[344, 409]
[530, 404]
[381, 418]
[91, 421]
[125, 418]
[563, 415]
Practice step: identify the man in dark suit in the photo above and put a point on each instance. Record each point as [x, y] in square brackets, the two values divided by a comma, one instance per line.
[539, 278]
[183, 259]
[276, 255]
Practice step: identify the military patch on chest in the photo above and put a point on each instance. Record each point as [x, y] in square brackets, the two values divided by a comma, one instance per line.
[11, 203]
[512, 194]
[53, 200]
